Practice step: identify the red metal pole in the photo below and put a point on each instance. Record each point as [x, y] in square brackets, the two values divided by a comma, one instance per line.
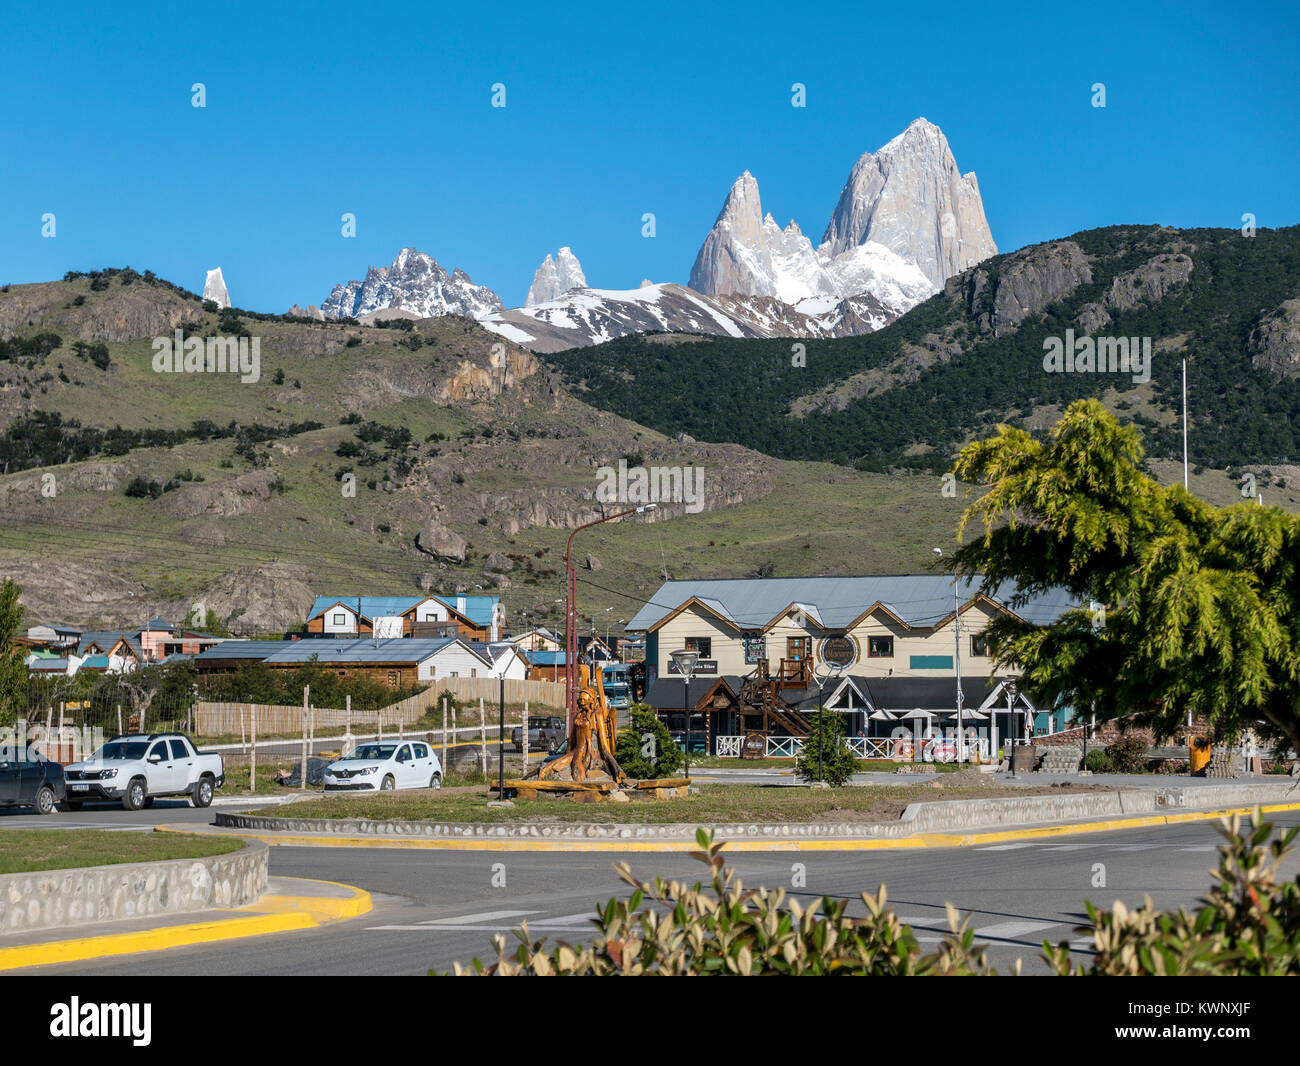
[571, 622]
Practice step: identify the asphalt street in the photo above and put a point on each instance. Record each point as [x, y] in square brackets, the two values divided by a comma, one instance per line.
[433, 908]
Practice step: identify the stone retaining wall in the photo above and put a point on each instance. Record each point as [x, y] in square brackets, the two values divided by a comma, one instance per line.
[927, 817]
[62, 899]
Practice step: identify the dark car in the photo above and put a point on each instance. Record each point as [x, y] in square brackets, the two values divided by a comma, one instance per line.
[32, 781]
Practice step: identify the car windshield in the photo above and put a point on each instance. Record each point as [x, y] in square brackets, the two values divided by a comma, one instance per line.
[123, 749]
[374, 751]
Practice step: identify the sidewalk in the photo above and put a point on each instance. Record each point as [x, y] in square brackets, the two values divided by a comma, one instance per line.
[290, 904]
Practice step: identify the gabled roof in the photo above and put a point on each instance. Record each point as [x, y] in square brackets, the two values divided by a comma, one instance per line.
[478, 609]
[920, 601]
[490, 653]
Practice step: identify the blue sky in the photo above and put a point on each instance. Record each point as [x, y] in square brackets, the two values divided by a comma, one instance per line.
[384, 110]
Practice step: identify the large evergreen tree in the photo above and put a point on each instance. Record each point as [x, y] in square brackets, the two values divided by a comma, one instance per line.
[1183, 607]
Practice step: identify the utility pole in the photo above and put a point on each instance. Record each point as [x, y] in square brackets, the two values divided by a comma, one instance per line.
[1185, 488]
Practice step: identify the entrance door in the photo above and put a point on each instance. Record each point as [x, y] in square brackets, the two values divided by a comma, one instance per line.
[797, 648]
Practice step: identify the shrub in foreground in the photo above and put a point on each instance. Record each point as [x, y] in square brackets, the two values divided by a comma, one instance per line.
[1248, 925]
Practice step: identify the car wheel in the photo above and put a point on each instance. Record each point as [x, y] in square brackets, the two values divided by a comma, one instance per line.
[135, 795]
[436, 780]
[45, 800]
[388, 784]
[202, 794]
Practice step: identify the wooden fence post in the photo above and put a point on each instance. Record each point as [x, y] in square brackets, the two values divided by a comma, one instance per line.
[306, 692]
[524, 736]
[347, 729]
[119, 719]
[453, 734]
[252, 762]
[482, 738]
[444, 736]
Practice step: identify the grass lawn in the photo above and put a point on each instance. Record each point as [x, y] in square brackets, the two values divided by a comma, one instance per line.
[30, 850]
[714, 804]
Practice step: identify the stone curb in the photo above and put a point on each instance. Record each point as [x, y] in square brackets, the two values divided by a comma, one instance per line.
[64, 899]
[935, 816]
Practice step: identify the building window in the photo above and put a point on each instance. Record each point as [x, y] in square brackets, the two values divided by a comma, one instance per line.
[979, 647]
[703, 645]
[880, 647]
[340, 620]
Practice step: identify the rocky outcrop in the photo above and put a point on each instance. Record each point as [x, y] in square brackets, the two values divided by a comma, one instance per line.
[214, 288]
[1146, 284]
[414, 282]
[82, 477]
[911, 198]
[124, 313]
[442, 543]
[260, 598]
[556, 277]
[239, 495]
[496, 563]
[310, 311]
[1023, 285]
[1275, 342]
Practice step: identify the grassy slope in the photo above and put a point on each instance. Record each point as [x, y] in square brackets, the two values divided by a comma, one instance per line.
[818, 518]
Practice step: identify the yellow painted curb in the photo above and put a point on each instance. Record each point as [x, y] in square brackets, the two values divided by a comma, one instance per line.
[918, 840]
[271, 914]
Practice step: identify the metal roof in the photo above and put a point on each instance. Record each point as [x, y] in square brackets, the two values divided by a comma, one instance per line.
[366, 649]
[243, 649]
[920, 600]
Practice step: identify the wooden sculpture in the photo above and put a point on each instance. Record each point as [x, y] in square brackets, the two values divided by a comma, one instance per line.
[592, 739]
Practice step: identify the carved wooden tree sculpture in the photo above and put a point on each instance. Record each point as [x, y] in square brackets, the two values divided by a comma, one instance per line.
[591, 744]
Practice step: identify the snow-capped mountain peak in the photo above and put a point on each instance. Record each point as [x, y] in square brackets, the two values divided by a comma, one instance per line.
[556, 277]
[415, 282]
[906, 221]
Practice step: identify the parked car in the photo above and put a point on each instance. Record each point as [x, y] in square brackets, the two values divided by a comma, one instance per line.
[543, 734]
[32, 781]
[384, 766]
[137, 769]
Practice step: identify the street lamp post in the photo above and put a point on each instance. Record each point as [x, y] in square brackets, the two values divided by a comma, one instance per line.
[686, 661]
[956, 649]
[832, 670]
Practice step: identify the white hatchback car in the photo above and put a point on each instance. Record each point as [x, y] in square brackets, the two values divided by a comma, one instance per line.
[384, 766]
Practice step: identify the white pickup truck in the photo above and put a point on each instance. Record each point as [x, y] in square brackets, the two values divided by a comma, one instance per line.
[136, 769]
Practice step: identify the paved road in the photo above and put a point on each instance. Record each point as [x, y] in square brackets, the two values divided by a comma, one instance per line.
[433, 907]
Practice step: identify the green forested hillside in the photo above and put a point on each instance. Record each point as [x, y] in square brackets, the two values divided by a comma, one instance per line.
[946, 375]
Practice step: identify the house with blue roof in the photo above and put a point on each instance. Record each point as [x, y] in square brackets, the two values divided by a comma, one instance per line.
[473, 618]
